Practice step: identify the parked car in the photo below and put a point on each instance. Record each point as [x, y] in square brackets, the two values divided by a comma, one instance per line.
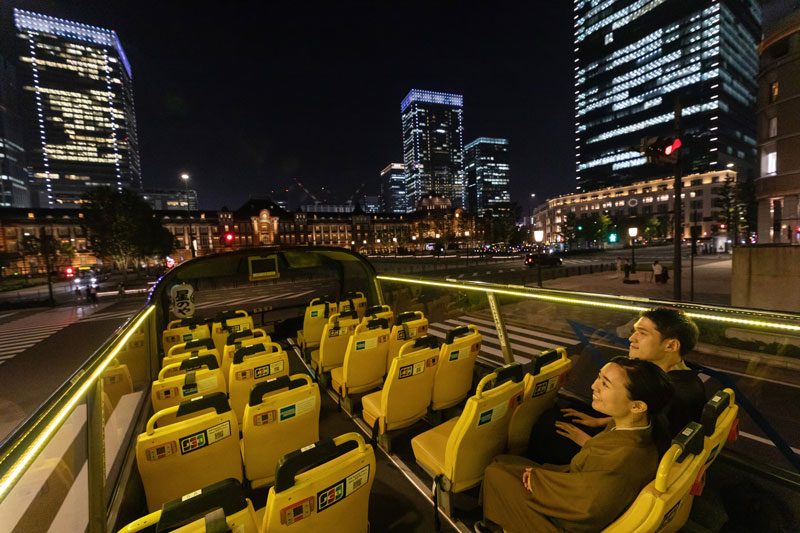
[547, 259]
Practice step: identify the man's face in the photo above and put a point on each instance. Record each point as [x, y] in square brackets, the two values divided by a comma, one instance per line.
[646, 341]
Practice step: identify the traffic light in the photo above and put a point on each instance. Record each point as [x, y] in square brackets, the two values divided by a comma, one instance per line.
[228, 238]
[69, 272]
[612, 237]
[660, 150]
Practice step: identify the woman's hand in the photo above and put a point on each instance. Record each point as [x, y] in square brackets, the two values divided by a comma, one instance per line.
[584, 419]
[526, 479]
[574, 434]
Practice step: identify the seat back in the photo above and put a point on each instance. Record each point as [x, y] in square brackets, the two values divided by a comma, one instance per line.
[323, 487]
[365, 357]
[379, 311]
[192, 452]
[457, 357]
[251, 365]
[663, 505]
[354, 301]
[314, 320]
[193, 512]
[408, 326]
[718, 419]
[238, 340]
[541, 385]
[406, 393]
[335, 335]
[184, 330]
[282, 415]
[178, 356]
[228, 322]
[482, 429]
[192, 377]
[117, 382]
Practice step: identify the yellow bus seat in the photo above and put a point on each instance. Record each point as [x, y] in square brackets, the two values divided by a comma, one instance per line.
[354, 301]
[720, 425]
[379, 311]
[406, 394]
[282, 415]
[542, 383]
[333, 344]
[663, 505]
[195, 512]
[190, 453]
[192, 346]
[250, 365]
[314, 320]
[192, 377]
[196, 351]
[408, 326]
[184, 330]
[456, 453]
[227, 322]
[364, 360]
[238, 340]
[117, 381]
[457, 356]
[323, 487]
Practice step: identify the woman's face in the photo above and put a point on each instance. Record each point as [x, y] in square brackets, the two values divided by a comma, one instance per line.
[609, 391]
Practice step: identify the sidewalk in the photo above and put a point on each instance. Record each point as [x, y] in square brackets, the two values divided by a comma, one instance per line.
[712, 284]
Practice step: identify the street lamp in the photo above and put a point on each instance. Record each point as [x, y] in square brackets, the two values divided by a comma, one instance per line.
[192, 244]
[632, 232]
[538, 236]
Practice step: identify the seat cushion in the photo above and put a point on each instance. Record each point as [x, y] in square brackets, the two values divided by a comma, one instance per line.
[337, 379]
[429, 447]
[315, 359]
[371, 407]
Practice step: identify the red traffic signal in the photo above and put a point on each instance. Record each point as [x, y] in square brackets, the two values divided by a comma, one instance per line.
[228, 237]
[69, 272]
[722, 226]
[660, 150]
[672, 147]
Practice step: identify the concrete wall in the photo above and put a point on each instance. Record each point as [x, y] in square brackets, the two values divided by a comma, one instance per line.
[766, 277]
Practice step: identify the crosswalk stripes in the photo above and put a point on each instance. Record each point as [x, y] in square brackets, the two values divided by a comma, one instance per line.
[525, 343]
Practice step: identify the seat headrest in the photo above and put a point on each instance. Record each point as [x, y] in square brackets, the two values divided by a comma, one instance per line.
[262, 388]
[306, 458]
[241, 353]
[245, 334]
[712, 409]
[457, 332]
[375, 309]
[192, 321]
[511, 372]
[193, 363]
[227, 495]
[426, 341]
[377, 323]
[208, 344]
[216, 400]
[405, 317]
[349, 314]
[690, 439]
[544, 359]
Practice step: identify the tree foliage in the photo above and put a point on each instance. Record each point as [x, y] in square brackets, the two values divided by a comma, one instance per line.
[123, 227]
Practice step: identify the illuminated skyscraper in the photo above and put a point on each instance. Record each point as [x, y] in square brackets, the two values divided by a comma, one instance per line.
[13, 178]
[393, 188]
[78, 109]
[487, 173]
[634, 57]
[433, 147]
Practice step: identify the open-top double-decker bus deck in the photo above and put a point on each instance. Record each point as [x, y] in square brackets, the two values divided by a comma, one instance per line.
[340, 399]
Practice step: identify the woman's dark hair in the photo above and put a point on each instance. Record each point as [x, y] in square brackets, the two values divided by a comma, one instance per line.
[673, 323]
[649, 384]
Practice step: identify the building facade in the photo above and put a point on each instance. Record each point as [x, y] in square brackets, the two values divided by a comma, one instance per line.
[77, 107]
[171, 199]
[433, 146]
[706, 202]
[13, 177]
[393, 188]
[778, 185]
[487, 171]
[635, 58]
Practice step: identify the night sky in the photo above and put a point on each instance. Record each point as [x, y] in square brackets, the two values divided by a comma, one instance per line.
[245, 97]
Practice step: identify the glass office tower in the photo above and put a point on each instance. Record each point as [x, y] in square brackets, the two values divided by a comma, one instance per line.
[13, 177]
[80, 124]
[487, 173]
[393, 188]
[633, 58]
[433, 146]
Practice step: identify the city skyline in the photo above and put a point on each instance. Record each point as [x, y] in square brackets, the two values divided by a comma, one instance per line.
[244, 111]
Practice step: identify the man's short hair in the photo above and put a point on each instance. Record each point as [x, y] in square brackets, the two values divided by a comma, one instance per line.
[674, 324]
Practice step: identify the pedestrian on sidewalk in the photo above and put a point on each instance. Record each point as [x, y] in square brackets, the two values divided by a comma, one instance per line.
[619, 267]
[658, 271]
[77, 295]
[627, 268]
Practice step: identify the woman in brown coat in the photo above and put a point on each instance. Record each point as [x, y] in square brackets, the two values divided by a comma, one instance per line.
[603, 479]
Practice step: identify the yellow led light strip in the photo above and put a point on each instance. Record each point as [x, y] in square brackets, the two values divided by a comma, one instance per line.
[10, 479]
[607, 305]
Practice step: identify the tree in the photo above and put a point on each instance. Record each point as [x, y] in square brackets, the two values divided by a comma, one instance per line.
[123, 227]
